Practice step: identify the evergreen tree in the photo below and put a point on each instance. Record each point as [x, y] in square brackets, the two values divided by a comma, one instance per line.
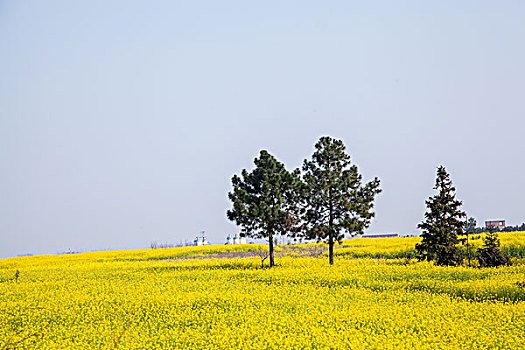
[443, 222]
[263, 200]
[334, 200]
[490, 255]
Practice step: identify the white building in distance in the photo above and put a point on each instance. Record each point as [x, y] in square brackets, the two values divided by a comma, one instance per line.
[235, 240]
[200, 240]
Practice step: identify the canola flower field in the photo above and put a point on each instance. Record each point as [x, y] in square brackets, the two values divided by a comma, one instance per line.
[219, 297]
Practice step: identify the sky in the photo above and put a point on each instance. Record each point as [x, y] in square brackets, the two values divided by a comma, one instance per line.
[122, 123]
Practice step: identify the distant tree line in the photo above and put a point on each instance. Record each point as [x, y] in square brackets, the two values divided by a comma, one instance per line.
[521, 227]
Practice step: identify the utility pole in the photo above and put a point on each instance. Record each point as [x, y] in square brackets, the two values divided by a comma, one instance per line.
[468, 248]
[470, 225]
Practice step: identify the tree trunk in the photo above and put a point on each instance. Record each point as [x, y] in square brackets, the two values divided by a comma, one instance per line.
[468, 251]
[331, 235]
[331, 249]
[270, 241]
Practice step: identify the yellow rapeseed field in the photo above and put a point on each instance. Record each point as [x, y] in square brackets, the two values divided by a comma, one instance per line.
[219, 297]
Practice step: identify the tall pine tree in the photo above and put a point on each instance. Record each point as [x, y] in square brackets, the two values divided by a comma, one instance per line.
[443, 222]
[334, 199]
[263, 200]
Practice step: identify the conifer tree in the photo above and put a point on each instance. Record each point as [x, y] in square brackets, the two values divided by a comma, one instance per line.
[443, 222]
[263, 200]
[490, 255]
[333, 197]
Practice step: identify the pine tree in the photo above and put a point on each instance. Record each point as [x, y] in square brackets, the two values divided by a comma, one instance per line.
[490, 255]
[263, 200]
[443, 222]
[334, 199]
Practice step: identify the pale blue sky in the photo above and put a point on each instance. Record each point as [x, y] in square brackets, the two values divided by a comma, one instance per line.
[121, 123]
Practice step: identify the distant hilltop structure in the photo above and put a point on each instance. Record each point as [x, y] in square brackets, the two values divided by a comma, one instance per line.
[235, 239]
[200, 240]
[385, 235]
[498, 224]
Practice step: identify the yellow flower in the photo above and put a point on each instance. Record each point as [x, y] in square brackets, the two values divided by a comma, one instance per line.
[219, 297]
